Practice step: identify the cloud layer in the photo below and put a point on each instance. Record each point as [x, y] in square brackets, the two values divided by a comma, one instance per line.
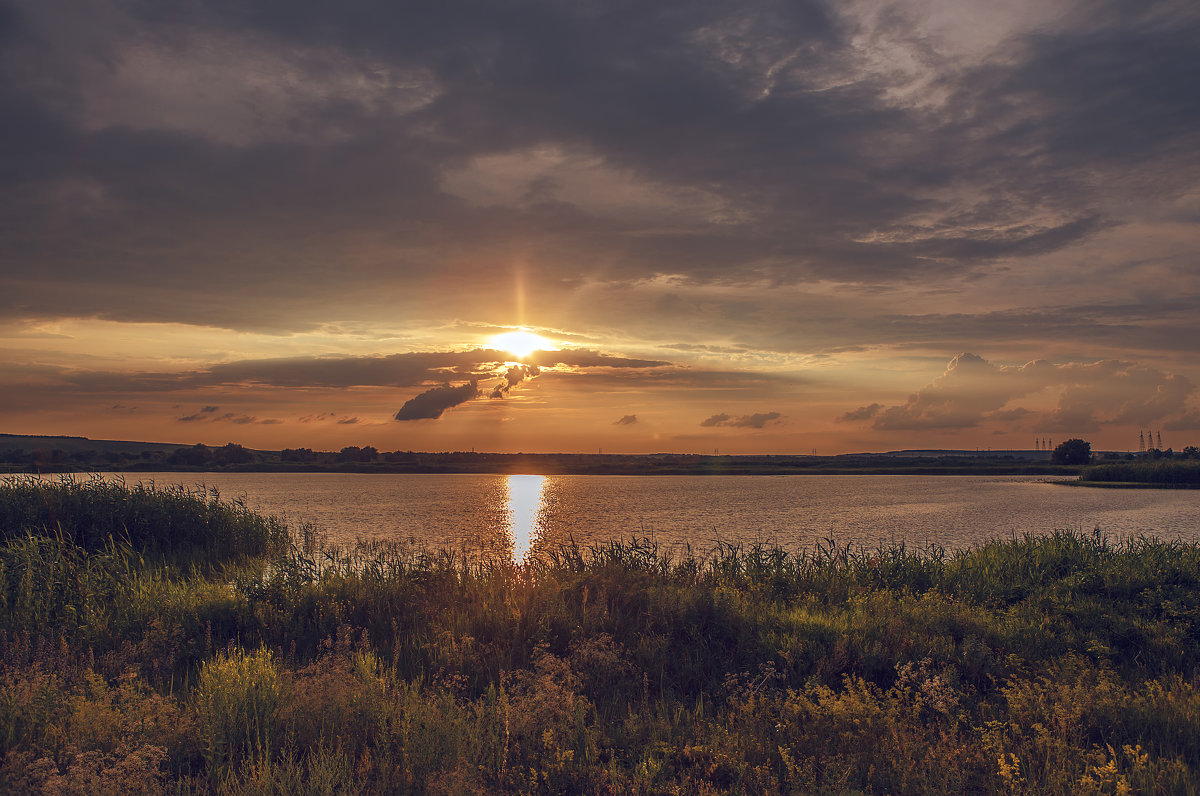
[175, 169]
[1080, 397]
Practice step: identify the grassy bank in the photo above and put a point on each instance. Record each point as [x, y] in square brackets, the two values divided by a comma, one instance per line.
[1056, 664]
[1161, 473]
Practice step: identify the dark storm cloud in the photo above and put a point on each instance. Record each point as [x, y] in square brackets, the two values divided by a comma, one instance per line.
[430, 404]
[148, 178]
[757, 420]
[1086, 396]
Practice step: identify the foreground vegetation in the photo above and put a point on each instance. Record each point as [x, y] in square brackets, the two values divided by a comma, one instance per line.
[1056, 664]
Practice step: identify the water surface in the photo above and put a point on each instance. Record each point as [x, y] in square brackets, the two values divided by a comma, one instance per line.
[517, 513]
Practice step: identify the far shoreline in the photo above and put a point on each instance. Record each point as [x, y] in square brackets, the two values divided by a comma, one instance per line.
[548, 468]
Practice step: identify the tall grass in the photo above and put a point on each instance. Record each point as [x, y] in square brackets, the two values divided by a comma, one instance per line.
[1173, 473]
[1062, 663]
[192, 525]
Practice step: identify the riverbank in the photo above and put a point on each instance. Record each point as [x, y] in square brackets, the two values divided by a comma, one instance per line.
[251, 664]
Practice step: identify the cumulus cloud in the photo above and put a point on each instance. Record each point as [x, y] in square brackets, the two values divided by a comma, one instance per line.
[627, 420]
[1088, 395]
[757, 420]
[430, 404]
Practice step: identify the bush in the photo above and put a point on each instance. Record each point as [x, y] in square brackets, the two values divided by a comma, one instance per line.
[237, 702]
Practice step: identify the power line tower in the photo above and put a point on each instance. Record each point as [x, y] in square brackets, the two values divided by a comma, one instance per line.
[1160, 447]
[1141, 441]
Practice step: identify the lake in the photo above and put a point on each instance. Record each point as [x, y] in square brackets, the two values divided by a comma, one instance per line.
[510, 514]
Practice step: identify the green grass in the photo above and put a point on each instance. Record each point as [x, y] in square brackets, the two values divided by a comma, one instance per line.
[1062, 663]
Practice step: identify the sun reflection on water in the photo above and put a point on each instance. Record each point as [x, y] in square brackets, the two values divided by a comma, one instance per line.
[524, 508]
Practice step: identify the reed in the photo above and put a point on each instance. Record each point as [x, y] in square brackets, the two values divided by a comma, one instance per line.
[174, 522]
[1164, 472]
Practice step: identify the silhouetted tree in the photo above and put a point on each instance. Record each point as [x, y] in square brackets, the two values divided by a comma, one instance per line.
[196, 456]
[1073, 451]
[297, 455]
[232, 453]
[353, 453]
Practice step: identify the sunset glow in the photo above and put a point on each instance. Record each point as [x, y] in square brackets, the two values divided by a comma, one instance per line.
[520, 343]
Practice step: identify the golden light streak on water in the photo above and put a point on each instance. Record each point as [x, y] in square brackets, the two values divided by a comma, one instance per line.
[524, 509]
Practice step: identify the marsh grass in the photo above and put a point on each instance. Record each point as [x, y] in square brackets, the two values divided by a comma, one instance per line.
[1063, 663]
[174, 523]
[1162, 472]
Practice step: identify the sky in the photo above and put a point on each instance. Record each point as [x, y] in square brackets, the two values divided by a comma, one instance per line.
[749, 227]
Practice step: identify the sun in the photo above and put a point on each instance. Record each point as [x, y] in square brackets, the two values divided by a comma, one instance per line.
[520, 343]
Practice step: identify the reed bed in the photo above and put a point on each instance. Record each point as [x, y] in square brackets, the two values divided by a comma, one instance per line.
[1163, 472]
[1063, 663]
[177, 523]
